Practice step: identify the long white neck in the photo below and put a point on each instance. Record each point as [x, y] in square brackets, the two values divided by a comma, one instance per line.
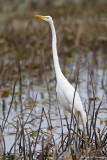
[54, 50]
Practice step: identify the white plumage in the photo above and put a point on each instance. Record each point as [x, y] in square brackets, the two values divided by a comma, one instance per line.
[64, 89]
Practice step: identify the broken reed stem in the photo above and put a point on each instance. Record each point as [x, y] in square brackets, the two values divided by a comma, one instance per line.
[93, 107]
[96, 114]
[38, 131]
[11, 102]
[88, 89]
[1, 143]
[30, 147]
[23, 137]
[87, 128]
[17, 124]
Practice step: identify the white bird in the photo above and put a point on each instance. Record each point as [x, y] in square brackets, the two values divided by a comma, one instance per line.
[65, 91]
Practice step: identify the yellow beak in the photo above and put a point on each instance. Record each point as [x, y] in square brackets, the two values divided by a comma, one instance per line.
[39, 16]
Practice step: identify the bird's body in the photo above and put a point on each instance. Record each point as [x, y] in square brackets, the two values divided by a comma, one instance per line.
[65, 91]
[66, 100]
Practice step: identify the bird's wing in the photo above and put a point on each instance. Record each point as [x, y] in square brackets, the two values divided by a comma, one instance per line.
[68, 91]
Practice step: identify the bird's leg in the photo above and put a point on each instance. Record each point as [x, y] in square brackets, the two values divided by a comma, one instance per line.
[66, 119]
[67, 122]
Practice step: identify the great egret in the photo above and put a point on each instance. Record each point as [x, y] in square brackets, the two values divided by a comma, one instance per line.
[64, 89]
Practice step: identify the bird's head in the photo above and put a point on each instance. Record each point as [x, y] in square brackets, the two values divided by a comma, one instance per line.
[45, 18]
